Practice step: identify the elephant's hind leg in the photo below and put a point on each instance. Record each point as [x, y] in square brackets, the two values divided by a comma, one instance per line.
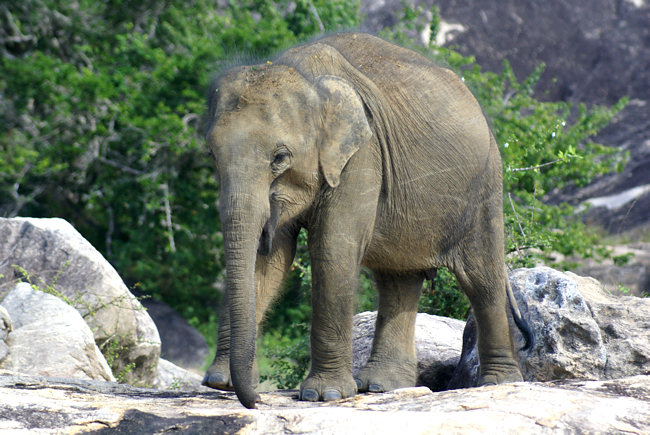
[482, 276]
[393, 362]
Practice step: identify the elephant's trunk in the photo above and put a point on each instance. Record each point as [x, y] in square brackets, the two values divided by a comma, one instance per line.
[242, 222]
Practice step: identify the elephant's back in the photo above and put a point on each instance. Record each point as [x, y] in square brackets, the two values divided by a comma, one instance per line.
[439, 159]
[431, 133]
[419, 99]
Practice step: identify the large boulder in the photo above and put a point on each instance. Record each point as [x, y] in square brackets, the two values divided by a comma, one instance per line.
[50, 253]
[627, 271]
[50, 338]
[581, 331]
[438, 343]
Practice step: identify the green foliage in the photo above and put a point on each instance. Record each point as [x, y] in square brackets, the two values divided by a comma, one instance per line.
[287, 356]
[367, 296]
[442, 296]
[623, 259]
[264, 26]
[112, 349]
[42, 286]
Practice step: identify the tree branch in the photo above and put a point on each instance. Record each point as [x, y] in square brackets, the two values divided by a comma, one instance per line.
[521, 230]
[530, 168]
[313, 10]
[120, 166]
[168, 221]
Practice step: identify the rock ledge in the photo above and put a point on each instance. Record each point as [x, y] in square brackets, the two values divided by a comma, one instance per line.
[55, 405]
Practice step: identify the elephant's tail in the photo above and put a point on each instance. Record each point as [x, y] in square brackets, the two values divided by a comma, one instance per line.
[519, 320]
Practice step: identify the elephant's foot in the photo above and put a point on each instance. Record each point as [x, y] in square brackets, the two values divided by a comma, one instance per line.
[327, 387]
[499, 373]
[379, 376]
[217, 380]
[218, 376]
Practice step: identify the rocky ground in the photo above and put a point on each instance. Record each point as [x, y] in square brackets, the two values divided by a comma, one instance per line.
[42, 405]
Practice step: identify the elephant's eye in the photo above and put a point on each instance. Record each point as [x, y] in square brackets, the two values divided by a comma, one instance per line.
[281, 160]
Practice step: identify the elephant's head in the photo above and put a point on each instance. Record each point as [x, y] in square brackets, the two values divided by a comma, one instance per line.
[277, 138]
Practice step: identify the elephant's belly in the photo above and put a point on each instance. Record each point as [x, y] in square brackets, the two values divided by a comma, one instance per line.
[420, 233]
[406, 249]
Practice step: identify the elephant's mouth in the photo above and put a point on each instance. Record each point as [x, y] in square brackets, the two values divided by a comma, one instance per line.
[266, 240]
[268, 232]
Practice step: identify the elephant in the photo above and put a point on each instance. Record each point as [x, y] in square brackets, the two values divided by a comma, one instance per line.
[388, 162]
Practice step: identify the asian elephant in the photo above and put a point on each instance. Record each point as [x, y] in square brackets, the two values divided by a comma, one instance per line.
[387, 160]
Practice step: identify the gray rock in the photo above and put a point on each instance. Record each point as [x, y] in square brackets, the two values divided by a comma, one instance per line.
[569, 341]
[6, 327]
[624, 322]
[633, 276]
[438, 343]
[50, 338]
[581, 331]
[55, 255]
[45, 405]
[181, 344]
[172, 377]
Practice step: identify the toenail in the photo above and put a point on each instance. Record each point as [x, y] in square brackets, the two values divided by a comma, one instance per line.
[214, 379]
[330, 395]
[309, 395]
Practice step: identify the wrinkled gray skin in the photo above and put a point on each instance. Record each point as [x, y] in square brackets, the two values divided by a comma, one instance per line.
[388, 162]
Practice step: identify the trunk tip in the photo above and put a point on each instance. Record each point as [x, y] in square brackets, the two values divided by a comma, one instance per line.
[248, 398]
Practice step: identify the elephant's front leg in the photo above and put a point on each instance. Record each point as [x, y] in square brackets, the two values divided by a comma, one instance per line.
[270, 272]
[393, 362]
[333, 288]
[218, 374]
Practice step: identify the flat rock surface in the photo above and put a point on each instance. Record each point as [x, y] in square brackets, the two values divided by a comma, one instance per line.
[50, 405]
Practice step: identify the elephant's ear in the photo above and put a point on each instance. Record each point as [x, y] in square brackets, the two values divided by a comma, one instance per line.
[345, 126]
